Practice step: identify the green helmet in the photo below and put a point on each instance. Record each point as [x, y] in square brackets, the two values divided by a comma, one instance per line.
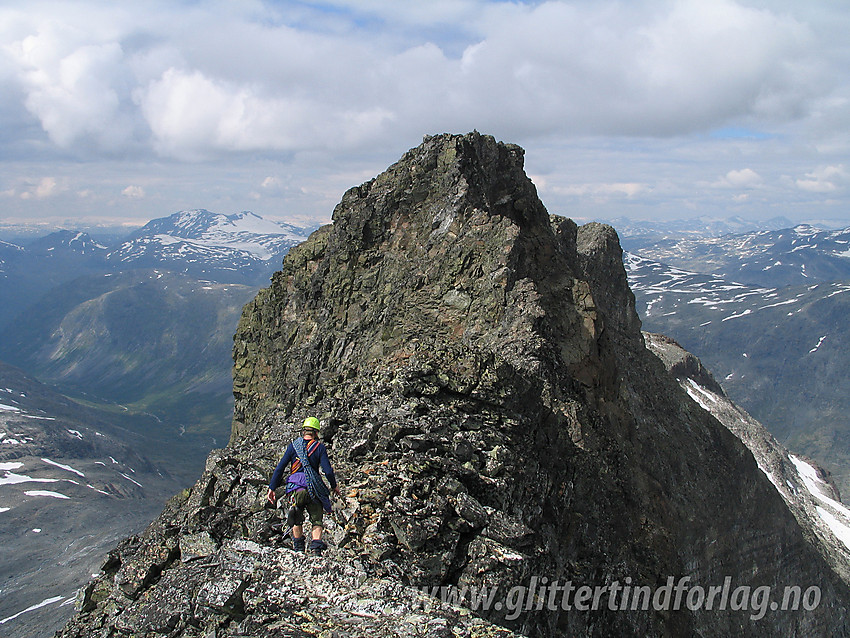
[311, 423]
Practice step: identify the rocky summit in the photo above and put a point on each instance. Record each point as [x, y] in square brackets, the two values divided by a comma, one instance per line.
[497, 424]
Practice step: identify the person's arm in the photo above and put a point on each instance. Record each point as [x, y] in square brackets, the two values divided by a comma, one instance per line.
[325, 462]
[277, 477]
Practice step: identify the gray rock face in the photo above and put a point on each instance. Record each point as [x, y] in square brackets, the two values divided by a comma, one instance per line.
[806, 488]
[495, 420]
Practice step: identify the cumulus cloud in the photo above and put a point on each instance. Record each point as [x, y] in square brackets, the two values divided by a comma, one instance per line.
[42, 188]
[74, 89]
[826, 179]
[133, 192]
[744, 178]
[328, 84]
[652, 68]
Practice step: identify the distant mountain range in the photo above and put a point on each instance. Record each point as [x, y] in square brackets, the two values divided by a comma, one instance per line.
[242, 248]
[145, 323]
[139, 331]
[767, 313]
[796, 256]
[635, 233]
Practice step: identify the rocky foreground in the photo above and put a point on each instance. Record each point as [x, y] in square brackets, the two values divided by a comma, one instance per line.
[495, 419]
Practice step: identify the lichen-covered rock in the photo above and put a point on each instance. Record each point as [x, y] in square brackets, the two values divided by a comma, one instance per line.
[493, 416]
[246, 589]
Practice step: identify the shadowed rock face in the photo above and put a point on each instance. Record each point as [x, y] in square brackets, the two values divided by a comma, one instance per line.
[493, 415]
[806, 488]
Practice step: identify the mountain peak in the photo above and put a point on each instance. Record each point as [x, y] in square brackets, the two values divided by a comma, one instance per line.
[491, 409]
[206, 243]
[67, 240]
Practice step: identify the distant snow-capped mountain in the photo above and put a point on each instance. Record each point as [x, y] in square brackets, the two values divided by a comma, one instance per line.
[632, 232]
[800, 255]
[199, 240]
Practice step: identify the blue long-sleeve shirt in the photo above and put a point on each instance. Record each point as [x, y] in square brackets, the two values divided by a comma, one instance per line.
[319, 458]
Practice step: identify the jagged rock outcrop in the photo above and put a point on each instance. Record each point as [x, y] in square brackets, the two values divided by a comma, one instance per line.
[805, 487]
[494, 417]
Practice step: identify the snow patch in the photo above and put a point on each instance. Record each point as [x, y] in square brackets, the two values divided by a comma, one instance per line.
[820, 341]
[12, 465]
[840, 529]
[698, 394]
[67, 468]
[130, 479]
[812, 482]
[748, 311]
[46, 493]
[16, 479]
[43, 603]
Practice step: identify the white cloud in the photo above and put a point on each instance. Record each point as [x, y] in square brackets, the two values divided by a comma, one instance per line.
[651, 68]
[133, 192]
[342, 87]
[193, 116]
[744, 178]
[826, 179]
[42, 188]
[616, 189]
[74, 89]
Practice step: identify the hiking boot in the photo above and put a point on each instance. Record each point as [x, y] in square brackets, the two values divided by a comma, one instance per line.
[298, 544]
[317, 547]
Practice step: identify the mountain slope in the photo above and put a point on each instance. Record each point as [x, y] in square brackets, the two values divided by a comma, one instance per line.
[490, 404]
[153, 341]
[27, 273]
[71, 486]
[778, 351]
[812, 499]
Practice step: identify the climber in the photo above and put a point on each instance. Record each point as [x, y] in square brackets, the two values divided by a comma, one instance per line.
[305, 489]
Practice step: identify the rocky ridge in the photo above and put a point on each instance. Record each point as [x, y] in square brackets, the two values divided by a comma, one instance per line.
[806, 488]
[493, 415]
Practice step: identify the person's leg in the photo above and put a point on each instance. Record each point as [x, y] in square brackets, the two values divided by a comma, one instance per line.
[299, 543]
[316, 513]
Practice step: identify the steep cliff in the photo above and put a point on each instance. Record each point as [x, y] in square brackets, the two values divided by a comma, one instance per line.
[805, 487]
[495, 420]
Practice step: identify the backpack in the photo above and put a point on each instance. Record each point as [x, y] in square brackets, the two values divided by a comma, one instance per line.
[315, 485]
[297, 478]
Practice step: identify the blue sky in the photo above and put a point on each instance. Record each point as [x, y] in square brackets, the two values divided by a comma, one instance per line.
[651, 109]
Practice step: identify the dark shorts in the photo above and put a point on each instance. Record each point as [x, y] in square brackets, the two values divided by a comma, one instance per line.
[301, 500]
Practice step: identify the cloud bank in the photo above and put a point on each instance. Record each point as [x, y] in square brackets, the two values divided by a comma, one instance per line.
[197, 82]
